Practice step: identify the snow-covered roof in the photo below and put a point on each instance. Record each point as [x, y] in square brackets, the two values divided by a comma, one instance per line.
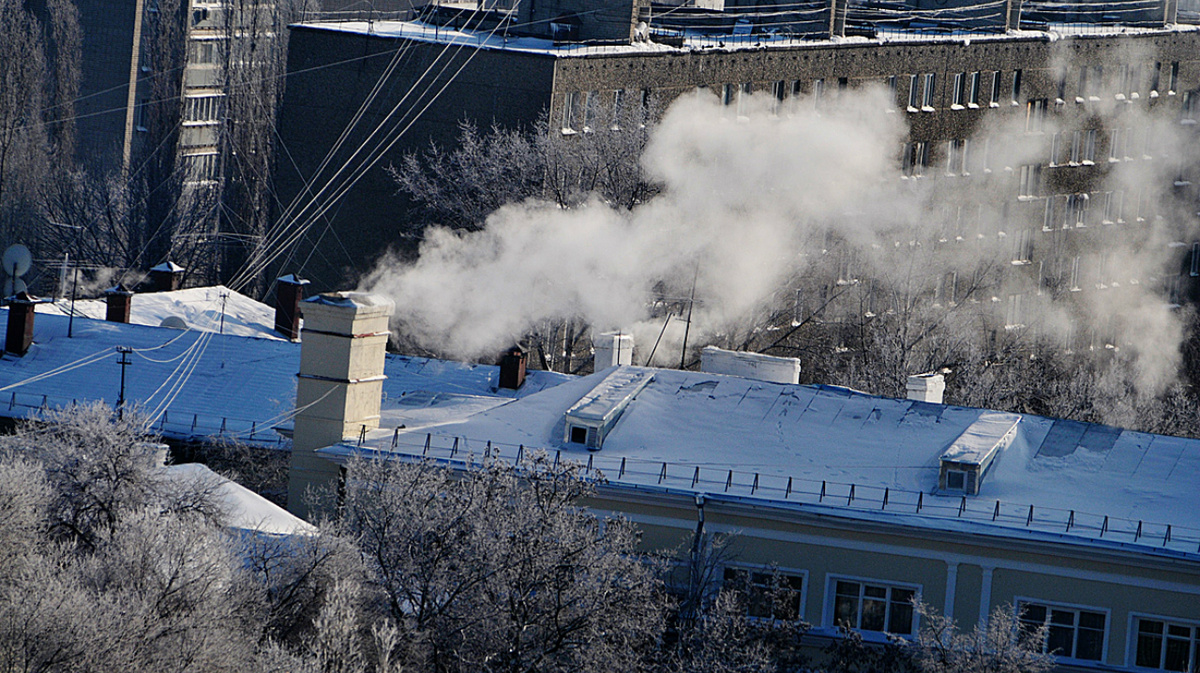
[203, 384]
[244, 509]
[423, 32]
[611, 394]
[851, 454]
[200, 308]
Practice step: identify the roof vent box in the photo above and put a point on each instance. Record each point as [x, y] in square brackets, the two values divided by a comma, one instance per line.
[963, 466]
[756, 366]
[594, 416]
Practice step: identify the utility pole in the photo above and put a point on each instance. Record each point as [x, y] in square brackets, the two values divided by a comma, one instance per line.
[688, 327]
[71, 318]
[224, 297]
[124, 351]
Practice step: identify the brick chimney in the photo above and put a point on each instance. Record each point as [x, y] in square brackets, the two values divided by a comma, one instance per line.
[512, 368]
[289, 290]
[926, 387]
[166, 277]
[19, 336]
[340, 383]
[118, 301]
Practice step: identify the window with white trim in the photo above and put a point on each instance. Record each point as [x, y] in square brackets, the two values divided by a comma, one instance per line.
[1031, 175]
[1071, 632]
[927, 92]
[766, 593]
[1174, 78]
[874, 606]
[568, 116]
[1016, 87]
[973, 89]
[957, 91]
[995, 98]
[1035, 115]
[912, 93]
[1166, 645]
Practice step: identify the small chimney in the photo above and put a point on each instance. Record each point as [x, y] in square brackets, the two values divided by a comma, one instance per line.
[118, 301]
[612, 349]
[289, 290]
[19, 337]
[166, 277]
[926, 387]
[512, 368]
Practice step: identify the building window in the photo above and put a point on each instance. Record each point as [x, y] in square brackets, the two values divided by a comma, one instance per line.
[200, 167]
[743, 100]
[1035, 115]
[890, 83]
[818, 91]
[568, 118]
[1187, 111]
[728, 94]
[1155, 78]
[1031, 175]
[916, 159]
[1127, 89]
[1089, 147]
[957, 92]
[927, 93]
[618, 109]
[973, 89]
[912, 93]
[1070, 632]
[995, 97]
[767, 594]
[1077, 209]
[204, 51]
[1014, 319]
[873, 606]
[778, 92]
[1022, 247]
[1114, 145]
[1167, 645]
[1016, 87]
[1055, 148]
[1174, 79]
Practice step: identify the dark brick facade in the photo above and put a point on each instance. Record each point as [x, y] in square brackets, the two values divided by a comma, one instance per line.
[512, 88]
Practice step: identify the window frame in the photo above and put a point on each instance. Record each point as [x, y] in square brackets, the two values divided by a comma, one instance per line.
[753, 569]
[1131, 647]
[829, 618]
[1020, 601]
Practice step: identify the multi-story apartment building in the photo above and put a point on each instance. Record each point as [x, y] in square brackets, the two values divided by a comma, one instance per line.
[1039, 112]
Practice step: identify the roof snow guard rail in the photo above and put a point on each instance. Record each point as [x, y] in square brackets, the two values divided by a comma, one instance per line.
[862, 499]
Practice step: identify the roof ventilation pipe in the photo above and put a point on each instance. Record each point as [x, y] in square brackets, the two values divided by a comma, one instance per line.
[512, 368]
[928, 387]
[612, 349]
[117, 301]
[289, 291]
[340, 383]
[166, 277]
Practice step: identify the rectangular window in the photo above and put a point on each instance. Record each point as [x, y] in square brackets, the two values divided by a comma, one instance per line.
[1187, 110]
[927, 94]
[743, 100]
[1071, 633]
[1014, 314]
[956, 480]
[1031, 175]
[871, 606]
[957, 91]
[954, 157]
[568, 118]
[1114, 145]
[1035, 115]
[1022, 247]
[916, 159]
[1016, 87]
[1048, 220]
[728, 94]
[1083, 84]
[591, 107]
[767, 594]
[890, 82]
[995, 97]
[1089, 147]
[618, 109]
[1174, 78]
[1077, 210]
[818, 91]
[973, 89]
[912, 93]
[200, 167]
[1155, 78]
[1166, 645]
[1056, 148]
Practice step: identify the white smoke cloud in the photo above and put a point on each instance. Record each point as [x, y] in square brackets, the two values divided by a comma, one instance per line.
[748, 204]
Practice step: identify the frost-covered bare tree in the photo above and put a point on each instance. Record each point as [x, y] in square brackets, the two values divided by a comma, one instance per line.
[1003, 645]
[459, 187]
[500, 569]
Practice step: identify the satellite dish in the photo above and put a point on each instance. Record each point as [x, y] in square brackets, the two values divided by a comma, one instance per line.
[14, 286]
[17, 260]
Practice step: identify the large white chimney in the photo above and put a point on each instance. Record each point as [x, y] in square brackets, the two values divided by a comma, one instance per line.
[340, 383]
[926, 387]
[612, 348]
